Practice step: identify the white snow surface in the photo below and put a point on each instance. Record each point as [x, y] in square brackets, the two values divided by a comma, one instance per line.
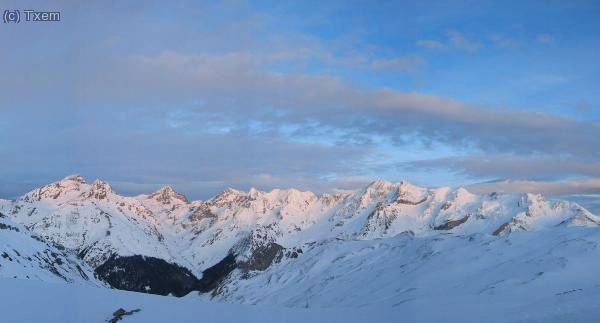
[26, 256]
[523, 268]
[82, 304]
[388, 252]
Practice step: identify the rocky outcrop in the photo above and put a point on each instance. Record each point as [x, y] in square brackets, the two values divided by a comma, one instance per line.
[167, 195]
[450, 224]
[99, 190]
[409, 202]
[261, 258]
[118, 314]
[213, 276]
[501, 229]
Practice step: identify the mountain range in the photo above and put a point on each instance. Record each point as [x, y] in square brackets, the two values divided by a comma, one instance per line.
[390, 244]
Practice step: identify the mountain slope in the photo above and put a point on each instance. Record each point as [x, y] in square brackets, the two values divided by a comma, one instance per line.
[238, 238]
[90, 219]
[524, 267]
[26, 256]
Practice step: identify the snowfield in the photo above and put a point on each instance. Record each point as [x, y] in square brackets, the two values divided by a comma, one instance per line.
[391, 252]
[35, 301]
[73, 303]
[474, 269]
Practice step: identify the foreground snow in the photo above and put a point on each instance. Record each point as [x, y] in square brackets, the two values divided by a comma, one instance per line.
[35, 301]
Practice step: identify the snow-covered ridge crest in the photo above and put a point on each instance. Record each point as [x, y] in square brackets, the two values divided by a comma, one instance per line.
[167, 195]
[97, 222]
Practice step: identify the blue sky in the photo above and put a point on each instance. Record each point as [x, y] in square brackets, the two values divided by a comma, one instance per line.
[316, 95]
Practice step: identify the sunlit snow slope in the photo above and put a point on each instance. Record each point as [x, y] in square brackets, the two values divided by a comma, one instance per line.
[394, 247]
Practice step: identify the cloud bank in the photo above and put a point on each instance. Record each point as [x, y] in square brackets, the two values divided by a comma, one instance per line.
[248, 100]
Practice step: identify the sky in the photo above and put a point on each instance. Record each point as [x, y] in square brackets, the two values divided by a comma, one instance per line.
[317, 95]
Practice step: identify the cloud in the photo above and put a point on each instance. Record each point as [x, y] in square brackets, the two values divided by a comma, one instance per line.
[541, 81]
[432, 44]
[588, 186]
[223, 100]
[407, 63]
[455, 40]
[175, 116]
[503, 41]
[236, 88]
[199, 163]
[460, 41]
[545, 39]
[512, 166]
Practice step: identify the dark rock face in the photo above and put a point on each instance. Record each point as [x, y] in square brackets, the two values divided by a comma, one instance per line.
[262, 257]
[147, 275]
[8, 227]
[118, 314]
[201, 212]
[409, 202]
[452, 224]
[293, 252]
[257, 252]
[213, 276]
[502, 229]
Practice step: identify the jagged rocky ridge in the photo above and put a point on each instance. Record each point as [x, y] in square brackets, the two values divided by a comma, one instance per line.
[236, 235]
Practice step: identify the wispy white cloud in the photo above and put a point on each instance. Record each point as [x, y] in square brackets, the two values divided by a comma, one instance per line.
[407, 63]
[232, 97]
[432, 44]
[135, 98]
[587, 186]
[503, 41]
[459, 41]
[515, 166]
[540, 81]
[455, 40]
[545, 39]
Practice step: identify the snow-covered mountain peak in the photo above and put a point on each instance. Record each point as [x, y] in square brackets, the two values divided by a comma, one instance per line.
[67, 188]
[381, 191]
[289, 196]
[406, 184]
[254, 193]
[462, 194]
[99, 190]
[167, 195]
[411, 194]
[231, 192]
[74, 178]
[254, 230]
[533, 198]
[379, 185]
[228, 196]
